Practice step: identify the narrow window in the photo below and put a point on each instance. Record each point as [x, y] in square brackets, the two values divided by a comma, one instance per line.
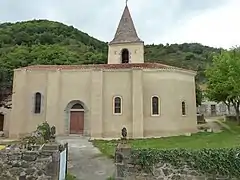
[155, 105]
[118, 105]
[125, 56]
[183, 108]
[38, 102]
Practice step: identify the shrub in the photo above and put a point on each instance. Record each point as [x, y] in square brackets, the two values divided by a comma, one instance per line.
[225, 162]
[46, 131]
[43, 134]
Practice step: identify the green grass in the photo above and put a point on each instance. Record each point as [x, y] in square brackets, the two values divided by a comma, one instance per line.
[225, 139]
[9, 142]
[110, 178]
[70, 177]
[233, 125]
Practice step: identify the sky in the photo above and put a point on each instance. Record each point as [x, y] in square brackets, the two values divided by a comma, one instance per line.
[210, 22]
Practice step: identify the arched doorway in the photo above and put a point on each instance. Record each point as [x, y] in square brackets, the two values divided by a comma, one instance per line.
[125, 56]
[75, 117]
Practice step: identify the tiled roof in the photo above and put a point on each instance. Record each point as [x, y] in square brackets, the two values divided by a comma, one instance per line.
[103, 66]
[126, 31]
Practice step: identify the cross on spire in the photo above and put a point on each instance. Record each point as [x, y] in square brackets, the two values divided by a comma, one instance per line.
[126, 2]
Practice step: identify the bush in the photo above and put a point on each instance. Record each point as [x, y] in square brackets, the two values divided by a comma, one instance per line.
[225, 162]
[46, 131]
[43, 134]
[232, 118]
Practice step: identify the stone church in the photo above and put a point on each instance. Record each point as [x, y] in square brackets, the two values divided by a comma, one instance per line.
[149, 99]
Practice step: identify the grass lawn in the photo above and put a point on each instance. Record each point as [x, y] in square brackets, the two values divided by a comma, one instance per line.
[227, 138]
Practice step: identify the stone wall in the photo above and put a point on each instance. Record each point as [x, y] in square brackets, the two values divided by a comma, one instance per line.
[164, 171]
[29, 165]
[127, 170]
[217, 109]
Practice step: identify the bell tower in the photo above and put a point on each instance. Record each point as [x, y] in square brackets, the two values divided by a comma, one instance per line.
[126, 46]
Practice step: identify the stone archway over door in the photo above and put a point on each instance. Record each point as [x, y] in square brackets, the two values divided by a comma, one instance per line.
[77, 119]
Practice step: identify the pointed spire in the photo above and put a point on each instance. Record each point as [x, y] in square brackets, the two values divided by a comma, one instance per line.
[126, 32]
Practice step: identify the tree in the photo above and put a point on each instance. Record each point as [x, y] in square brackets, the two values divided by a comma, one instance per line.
[224, 79]
[199, 95]
[5, 86]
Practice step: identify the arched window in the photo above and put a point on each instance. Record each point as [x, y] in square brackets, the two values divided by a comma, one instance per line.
[155, 106]
[38, 103]
[183, 108]
[117, 106]
[125, 56]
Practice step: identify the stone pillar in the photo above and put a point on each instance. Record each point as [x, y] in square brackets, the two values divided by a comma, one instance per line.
[18, 117]
[96, 108]
[137, 103]
[53, 167]
[122, 158]
[52, 97]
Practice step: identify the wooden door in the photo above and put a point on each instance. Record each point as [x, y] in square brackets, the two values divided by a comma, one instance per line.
[76, 122]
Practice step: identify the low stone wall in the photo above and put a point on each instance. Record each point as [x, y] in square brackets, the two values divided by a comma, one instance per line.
[127, 170]
[29, 165]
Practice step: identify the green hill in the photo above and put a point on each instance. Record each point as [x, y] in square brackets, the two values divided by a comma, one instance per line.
[48, 42]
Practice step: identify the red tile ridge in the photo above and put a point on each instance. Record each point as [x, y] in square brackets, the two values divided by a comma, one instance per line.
[103, 66]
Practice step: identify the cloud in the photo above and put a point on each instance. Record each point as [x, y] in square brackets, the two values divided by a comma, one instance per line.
[209, 22]
[218, 27]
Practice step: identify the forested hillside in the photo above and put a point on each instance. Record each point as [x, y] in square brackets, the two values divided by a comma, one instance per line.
[47, 42]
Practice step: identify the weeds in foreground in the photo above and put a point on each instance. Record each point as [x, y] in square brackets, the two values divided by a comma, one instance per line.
[70, 177]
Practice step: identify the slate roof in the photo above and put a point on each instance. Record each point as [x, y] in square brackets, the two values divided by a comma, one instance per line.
[126, 32]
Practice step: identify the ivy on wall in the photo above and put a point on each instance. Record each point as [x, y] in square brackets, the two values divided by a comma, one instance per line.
[225, 161]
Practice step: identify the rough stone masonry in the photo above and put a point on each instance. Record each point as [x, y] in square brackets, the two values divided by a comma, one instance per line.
[127, 170]
[16, 164]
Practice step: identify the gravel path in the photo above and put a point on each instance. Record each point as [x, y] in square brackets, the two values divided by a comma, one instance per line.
[85, 161]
